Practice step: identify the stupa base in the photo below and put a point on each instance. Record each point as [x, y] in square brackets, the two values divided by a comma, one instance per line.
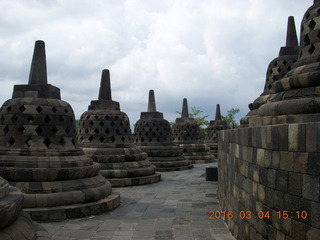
[47, 214]
[125, 182]
[24, 228]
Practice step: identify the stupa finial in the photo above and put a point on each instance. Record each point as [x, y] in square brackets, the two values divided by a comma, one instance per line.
[105, 86]
[292, 39]
[218, 113]
[38, 71]
[152, 102]
[185, 111]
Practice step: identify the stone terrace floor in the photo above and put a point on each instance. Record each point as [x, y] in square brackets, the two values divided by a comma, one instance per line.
[177, 208]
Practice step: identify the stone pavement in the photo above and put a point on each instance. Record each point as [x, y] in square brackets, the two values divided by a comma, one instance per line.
[175, 208]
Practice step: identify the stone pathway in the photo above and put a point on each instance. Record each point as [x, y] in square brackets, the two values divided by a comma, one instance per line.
[175, 208]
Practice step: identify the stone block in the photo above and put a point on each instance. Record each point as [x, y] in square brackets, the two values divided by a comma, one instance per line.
[311, 187]
[300, 162]
[314, 164]
[275, 138]
[263, 176]
[275, 160]
[295, 184]
[298, 230]
[269, 197]
[286, 162]
[311, 137]
[315, 214]
[282, 180]
[255, 173]
[271, 178]
[260, 157]
[313, 234]
[261, 193]
[283, 137]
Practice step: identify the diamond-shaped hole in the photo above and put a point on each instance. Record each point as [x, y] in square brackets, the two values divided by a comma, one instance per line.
[86, 130]
[9, 109]
[21, 129]
[74, 143]
[14, 119]
[122, 138]
[308, 15]
[107, 117]
[66, 110]
[54, 129]
[90, 138]
[6, 130]
[47, 142]
[96, 116]
[307, 39]
[62, 141]
[39, 109]
[101, 139]
[312, 24]
[101, 124]
[38, 130]
[113, 138]
[285, 63]
[22, 108]
[311, 49]
[91, 123]
[117, 131]
[54, 109]
[67, 130]
[107, 131]
[112, 123]
[28, 142]
[61, 119]
[96, 130]
[2, 119]
[47, 119]
[81, 139]
[30, 119]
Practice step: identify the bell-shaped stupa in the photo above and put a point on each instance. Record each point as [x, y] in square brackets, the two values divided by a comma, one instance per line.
[14, 223]
[297, 94]
[277, 69]
[152, 133]
[212, 132]
[105, 135]
[39, 153]
[186, 133]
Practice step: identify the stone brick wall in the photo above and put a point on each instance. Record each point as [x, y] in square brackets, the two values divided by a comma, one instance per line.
[271, 170]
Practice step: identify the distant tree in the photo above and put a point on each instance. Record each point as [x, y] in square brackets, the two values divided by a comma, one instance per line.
[230, 117]
[200, 120]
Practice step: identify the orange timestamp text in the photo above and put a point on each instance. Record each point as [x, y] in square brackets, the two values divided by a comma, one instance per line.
[258, 215]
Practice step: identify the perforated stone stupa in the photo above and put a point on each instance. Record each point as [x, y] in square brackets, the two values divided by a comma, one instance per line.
[15, 224]
[39, 153]
[105, 135]
[186, 133]
[152, 134]
[296, 97]
[277, 69]
[212, 132]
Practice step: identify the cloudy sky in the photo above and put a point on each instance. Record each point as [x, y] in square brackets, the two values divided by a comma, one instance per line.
[209, 51]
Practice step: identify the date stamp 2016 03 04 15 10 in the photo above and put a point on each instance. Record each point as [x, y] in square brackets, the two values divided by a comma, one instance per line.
[258, 215]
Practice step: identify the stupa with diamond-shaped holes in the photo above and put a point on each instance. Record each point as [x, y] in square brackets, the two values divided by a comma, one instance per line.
[39, 153]
[186, 133]
[152, 134]
[277, 69]
[105, 135]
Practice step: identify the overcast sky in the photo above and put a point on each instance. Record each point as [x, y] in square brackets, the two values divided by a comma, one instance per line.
[209, 51]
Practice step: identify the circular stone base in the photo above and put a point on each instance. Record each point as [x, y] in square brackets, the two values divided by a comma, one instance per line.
[175, 168]
[46, 214]
[24, 229]
[124, 182]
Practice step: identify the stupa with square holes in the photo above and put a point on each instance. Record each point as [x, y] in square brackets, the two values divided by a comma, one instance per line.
[105, 135]
[152, 134]
[186, 133]
[39, 153]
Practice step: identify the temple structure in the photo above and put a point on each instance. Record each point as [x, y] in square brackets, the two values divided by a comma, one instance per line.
[186, 133]
[15, 224]
[152, 134]
[105, 135]
[212, 132]
[271, 169]
[277, 69]
[39, 153]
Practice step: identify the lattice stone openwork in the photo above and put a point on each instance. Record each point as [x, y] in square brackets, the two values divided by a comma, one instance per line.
[40, 155]
[152, 134]
[105, 135]
[186, 133]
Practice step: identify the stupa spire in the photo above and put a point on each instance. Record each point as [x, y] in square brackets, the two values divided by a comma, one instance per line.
[151, 102]
[38, 71]
[292, 39]
[218, 113]
[185, 111]
[105, 86]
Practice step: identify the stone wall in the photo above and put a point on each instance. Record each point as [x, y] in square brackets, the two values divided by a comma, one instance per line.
[271, 170]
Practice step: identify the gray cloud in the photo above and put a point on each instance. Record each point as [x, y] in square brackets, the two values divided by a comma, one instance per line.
[208, 51]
